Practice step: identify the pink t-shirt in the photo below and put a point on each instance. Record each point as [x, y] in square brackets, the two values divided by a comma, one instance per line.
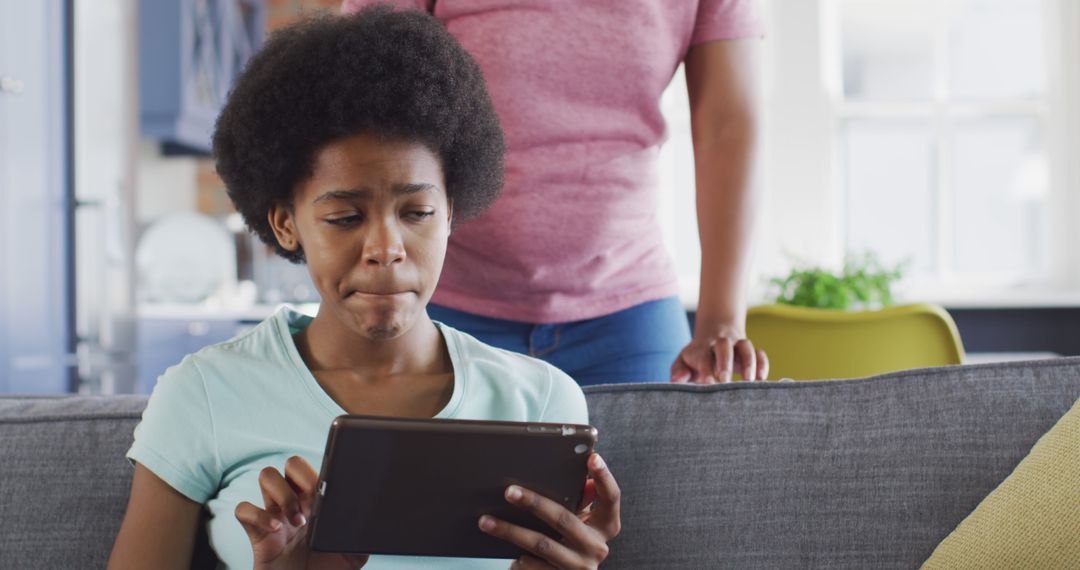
[577, 85]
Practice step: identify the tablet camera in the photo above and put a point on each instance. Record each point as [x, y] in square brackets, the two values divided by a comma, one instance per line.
[580, 448]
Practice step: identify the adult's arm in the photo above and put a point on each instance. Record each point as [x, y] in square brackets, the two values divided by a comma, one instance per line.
[722, 81]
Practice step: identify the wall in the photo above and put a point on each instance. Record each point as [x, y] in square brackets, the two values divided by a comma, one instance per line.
[106, 115]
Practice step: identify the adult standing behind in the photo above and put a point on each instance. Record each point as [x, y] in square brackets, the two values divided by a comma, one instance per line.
[569, 264]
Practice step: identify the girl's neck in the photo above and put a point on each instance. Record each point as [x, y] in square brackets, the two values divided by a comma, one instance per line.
[327, 344]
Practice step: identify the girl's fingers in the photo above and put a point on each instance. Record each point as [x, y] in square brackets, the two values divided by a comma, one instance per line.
[588, 495]
[606, 515]
[279, 497]
[527, 562]
[556, 516]
[356, 560]
[539, 545]
[301, 475]
[256, 522]
[762, 365]
[303, 479]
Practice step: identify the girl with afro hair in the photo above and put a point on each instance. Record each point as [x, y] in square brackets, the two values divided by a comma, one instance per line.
[353, 145]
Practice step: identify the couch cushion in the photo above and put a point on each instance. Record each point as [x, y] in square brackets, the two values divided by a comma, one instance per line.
[1032, 520]
[869, 473]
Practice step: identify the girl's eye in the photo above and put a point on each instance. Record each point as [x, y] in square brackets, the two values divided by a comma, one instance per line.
[344, 220]
[420, 214]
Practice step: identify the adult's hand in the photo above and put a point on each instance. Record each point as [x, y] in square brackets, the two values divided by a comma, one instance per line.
[278, 531]
[715, 353]
[725, 118]
[584, 535]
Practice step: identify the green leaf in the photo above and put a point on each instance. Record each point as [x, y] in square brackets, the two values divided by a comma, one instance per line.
[863, 280]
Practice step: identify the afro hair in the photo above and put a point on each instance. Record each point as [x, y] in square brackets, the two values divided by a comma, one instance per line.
[394, 75]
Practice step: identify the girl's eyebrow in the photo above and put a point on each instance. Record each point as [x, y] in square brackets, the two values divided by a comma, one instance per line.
[366, 193]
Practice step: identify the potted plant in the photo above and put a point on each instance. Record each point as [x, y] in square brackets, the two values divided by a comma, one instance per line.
[827, 324]
[864, 283]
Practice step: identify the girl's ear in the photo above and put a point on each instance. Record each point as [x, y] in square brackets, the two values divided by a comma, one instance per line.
[284, 226]
[450, 215]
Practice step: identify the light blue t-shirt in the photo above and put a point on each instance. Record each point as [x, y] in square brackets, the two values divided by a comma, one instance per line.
[231, 409]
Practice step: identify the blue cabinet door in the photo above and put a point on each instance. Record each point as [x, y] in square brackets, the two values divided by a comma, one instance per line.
[165, 342]
[35, 206]
[190, 51]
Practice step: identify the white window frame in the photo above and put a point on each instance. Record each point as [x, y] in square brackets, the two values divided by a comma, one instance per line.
[943, 114]
[802, 214]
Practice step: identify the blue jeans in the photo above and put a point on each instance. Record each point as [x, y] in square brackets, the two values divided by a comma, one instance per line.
[638, 344]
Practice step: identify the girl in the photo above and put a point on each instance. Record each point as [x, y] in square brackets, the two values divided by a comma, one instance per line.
[353, 145]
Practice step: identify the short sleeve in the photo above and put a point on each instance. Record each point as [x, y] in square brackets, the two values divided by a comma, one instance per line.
[565, 402]
[727, 20]
[175, 439]
[354, 6]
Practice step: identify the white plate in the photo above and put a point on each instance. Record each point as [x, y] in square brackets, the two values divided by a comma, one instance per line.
[184, 258]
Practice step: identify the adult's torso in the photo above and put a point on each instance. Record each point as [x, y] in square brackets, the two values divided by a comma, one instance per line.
[577, 86]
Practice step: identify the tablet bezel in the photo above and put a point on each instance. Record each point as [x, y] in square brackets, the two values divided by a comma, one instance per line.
[429, 503]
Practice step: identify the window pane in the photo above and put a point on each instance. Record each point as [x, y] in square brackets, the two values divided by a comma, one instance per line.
[887, 49]
[889, 183]
[995, 49]
[1000, 184]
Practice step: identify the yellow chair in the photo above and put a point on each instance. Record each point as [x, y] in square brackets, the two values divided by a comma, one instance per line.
[810, 344]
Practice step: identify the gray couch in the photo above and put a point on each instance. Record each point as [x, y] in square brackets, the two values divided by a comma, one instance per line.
[868, 473]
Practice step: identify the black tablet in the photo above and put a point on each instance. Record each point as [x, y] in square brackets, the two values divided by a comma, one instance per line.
[419, 487]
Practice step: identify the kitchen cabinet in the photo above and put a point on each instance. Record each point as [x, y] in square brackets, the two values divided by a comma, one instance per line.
[167, 333]
[164, 342]
[190, 52]
[36, 284]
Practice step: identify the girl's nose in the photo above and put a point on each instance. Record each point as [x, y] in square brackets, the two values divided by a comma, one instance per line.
[384, 245]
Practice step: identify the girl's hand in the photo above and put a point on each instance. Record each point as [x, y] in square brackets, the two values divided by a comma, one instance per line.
[278, 532]
[711, 357]
[585, 535]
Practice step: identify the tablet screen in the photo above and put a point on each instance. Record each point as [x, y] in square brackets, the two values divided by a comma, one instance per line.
[418, 487]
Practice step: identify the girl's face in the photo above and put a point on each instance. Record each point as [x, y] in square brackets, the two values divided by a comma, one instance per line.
[373, 221]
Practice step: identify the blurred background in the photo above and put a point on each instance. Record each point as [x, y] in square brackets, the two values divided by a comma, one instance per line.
[940, 136]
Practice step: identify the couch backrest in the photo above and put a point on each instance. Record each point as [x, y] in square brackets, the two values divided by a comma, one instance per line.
[63, 478]
[869, 473]
[844, 474]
